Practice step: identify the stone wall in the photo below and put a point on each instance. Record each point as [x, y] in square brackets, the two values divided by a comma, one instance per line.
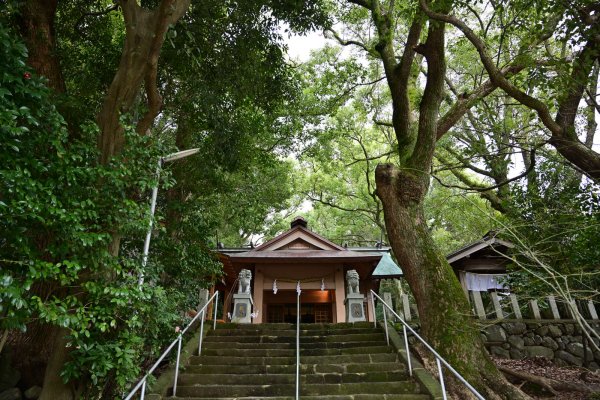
[561, 341]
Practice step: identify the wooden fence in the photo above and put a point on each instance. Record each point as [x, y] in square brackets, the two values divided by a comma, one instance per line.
[502, 306]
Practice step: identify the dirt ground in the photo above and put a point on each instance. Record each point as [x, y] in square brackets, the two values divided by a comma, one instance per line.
[545, 368]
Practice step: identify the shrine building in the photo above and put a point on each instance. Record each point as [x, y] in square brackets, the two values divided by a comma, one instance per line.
[300, 259]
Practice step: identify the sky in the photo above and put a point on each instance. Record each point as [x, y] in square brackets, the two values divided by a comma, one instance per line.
[301, 46]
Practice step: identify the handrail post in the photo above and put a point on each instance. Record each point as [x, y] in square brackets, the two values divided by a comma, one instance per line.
[374, 312]
[298, 345]
[407, 350]
[387, 335]
[143, 394]
[201, 332]
[439, 365]
[215, 305]
[177, 365]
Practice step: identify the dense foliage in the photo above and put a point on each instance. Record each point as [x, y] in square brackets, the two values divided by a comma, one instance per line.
[58, 207]
[72, 227]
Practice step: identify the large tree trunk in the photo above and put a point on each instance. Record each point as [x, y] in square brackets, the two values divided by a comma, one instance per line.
[444, 312]
[54, 387]
[37, 28]
[145, 35]
[36, 23]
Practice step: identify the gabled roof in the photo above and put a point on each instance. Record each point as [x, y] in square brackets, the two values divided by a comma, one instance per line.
[305, 256]
[488, 240]
[299, 245]
[299, 237]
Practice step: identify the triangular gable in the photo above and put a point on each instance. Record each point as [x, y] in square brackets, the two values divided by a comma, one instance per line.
[299, 238]
[475, 247]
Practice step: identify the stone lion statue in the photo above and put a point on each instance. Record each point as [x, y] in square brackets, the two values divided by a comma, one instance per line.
[244, 278]
[352, 279]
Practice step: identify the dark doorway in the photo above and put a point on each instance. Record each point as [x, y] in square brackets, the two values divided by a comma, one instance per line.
[310, 313]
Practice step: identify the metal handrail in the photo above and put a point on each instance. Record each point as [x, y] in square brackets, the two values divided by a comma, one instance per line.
[142, 383]
[298, 291]
[439, 359]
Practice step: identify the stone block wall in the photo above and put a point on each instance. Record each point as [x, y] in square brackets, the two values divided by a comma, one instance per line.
[560, 340]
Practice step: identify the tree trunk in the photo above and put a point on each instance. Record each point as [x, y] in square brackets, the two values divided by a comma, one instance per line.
[145, 35]
[37, 28]
[444, 312]
[54, 388]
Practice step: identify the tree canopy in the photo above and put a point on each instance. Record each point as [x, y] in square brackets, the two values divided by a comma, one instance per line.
[422, 125]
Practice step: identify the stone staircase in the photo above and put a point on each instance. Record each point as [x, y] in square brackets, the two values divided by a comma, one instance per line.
[337, 361]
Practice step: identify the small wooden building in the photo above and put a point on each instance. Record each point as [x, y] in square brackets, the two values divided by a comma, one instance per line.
[480, 265]
[300, 257]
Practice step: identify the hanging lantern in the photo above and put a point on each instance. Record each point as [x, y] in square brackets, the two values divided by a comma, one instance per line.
[322, 284]
[275, 286]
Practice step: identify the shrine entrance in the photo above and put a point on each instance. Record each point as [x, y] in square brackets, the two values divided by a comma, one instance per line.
[316, 306]
[301, 258]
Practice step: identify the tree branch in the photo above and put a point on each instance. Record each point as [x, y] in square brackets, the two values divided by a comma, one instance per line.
[481, 188]
[563, 136]
[343, 42]
[468, 100]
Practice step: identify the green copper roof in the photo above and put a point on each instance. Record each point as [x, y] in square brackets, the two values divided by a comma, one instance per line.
[387, 268]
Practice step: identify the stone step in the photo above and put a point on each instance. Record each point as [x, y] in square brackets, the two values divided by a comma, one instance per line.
[392, 366]
[191, 379]
[290, 345]
[339, 359]
[338, 362]
[292, 352]
[398, 387]
[358, 337]
[338, 397]
[283, 326]
[292, 332]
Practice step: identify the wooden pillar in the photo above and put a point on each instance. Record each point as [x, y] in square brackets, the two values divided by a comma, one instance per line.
[226, 305]
[257, 296]
[340, 295]
[210, 309]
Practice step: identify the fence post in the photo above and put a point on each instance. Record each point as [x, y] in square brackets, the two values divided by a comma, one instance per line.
[535, 309]
[592, 310]
[202, 298]
[497, 305]
[572, 309]
[515, 306]
[553, 307]
[406, 307]
[387, 298]
[479, 310]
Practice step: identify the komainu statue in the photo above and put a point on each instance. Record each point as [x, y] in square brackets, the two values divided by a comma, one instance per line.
[244, 278]
[352, 279]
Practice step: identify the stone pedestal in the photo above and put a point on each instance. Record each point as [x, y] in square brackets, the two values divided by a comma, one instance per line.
[355, 309]
[242, 308]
